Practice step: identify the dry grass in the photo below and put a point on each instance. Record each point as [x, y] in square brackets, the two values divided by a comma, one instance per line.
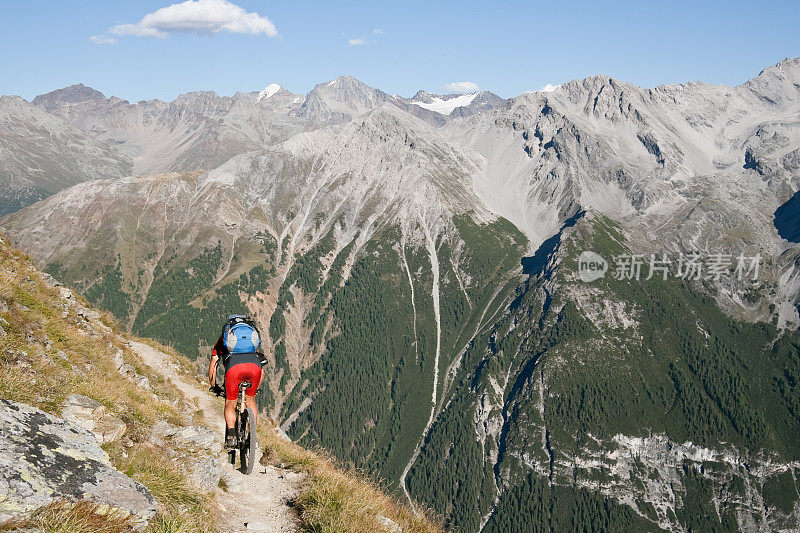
[183, 506]
[340, 500]
[47, 356]
[69, 517]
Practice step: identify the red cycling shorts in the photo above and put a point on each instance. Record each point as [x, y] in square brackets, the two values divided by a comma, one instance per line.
[241, 372]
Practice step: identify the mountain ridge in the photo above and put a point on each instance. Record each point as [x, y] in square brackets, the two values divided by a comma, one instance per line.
[415, 280]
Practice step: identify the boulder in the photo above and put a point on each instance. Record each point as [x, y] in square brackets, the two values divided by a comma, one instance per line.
[199, 449]
[390, 525]
[162, 429]
[88, 314]
[119, 359]
[205, 470]
[199, 437]
[45, 458]
[49, 280]
[129, 372]
[141, 381]
[92, 416]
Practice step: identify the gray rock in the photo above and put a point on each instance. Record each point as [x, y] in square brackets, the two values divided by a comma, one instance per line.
[162, 429]
[199, 449]
[199, 436]
[49, 280]
[206, 470]
[142, 381]
[44, 458]
[129, 371]
[390, 525]
[118, 359]
[88, 314]
[92, 416]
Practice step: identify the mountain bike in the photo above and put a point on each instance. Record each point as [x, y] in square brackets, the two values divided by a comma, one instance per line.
[245, 430]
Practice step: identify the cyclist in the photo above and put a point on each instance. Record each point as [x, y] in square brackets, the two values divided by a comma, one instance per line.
[238, 347]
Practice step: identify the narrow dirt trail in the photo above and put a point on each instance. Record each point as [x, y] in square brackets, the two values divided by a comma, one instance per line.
[258, 502]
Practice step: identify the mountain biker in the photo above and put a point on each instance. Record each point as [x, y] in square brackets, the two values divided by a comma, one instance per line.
[238, 347]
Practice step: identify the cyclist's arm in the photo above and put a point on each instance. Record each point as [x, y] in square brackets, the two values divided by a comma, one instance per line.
[212, 370]
[219, 349]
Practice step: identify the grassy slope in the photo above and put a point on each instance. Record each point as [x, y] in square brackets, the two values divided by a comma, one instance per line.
[63, 357]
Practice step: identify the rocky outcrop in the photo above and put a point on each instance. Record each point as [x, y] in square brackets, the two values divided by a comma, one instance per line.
[44, 458]
[91, 415]
[196, 447]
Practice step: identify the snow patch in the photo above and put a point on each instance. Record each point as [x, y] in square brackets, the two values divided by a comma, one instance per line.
[548, 88]
[445, 107]
[269, 91]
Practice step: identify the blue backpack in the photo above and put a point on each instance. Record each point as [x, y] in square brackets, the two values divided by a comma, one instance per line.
[240, 335]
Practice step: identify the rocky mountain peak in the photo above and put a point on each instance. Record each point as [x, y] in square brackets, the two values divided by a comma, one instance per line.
[339, 100]
[777, 85]
[788, 66]
[13, 101]
[199, 100]
[74, 94]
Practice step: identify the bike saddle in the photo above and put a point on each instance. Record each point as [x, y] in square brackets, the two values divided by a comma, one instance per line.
[245, 385]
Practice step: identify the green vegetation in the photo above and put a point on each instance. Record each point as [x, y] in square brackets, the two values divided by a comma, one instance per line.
[372, 383]
[367, 383]
[305, 275]
[107, 291]
[686, 370]
[538, 506]
[172, 313]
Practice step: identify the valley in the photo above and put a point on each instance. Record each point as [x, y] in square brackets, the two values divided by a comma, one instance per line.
[413, 271]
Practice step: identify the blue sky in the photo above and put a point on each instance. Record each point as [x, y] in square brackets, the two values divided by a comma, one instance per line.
[505, 47]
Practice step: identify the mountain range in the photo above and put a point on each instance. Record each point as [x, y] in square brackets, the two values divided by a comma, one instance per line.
[413, 264]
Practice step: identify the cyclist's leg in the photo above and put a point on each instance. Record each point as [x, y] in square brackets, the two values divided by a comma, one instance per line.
[230, 413]
[254, 375]
[234, 375]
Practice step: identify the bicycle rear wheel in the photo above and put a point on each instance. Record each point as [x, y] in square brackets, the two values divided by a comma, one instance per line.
[249, 442]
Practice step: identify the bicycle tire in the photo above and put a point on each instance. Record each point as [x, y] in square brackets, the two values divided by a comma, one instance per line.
[247, 453]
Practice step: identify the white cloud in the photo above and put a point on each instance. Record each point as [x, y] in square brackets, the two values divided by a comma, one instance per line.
[102, 39]
[376, 31]
[462, 87]
[204, 17]
[357, 42]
